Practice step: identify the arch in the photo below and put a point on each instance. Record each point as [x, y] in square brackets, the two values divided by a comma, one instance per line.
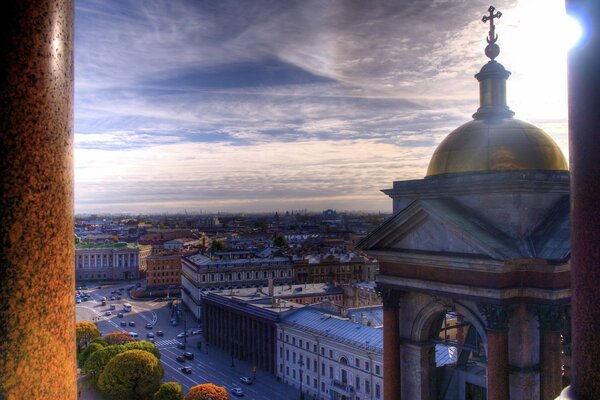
[422, 323]
[343, 360]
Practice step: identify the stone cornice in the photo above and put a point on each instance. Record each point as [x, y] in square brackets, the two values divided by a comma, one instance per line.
[496, 316]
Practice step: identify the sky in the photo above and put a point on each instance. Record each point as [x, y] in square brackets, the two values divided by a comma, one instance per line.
[207, 106]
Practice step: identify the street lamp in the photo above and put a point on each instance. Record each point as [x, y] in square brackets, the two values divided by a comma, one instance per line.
[301, 364]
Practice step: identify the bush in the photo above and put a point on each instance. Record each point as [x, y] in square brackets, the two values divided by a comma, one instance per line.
[118, 337]
[132, 375]
[85, 332]
[207, 391]
[97, 361]
[101, 341]
[84, 355]
[169, 391]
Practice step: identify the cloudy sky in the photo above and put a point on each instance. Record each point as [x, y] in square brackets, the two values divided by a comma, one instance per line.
[275, 105]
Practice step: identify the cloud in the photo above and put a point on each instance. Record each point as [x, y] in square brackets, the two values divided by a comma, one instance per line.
[218, 105]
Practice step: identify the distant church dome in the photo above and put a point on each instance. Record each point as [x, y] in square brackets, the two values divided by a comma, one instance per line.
[494, 140]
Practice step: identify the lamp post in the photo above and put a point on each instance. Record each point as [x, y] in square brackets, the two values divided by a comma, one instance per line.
[301, 364]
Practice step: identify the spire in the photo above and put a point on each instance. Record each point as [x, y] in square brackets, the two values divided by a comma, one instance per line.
[492, 77]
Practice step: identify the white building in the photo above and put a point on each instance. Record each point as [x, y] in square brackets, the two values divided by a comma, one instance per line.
[110, 261]
[330, 357]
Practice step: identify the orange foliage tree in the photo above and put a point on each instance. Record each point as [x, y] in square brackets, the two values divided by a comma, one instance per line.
[207, 391]
[118, 337]
[85, 332]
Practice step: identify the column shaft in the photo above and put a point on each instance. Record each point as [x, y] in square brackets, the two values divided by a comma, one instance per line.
[550, 368]
[37, 280]
[497, 369]
[391, 351]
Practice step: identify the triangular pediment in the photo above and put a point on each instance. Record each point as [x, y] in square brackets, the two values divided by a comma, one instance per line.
[440, 226]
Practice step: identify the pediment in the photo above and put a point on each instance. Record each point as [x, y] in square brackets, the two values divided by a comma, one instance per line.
[440, 226]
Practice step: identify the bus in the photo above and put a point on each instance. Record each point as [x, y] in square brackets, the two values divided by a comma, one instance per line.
[126, 307]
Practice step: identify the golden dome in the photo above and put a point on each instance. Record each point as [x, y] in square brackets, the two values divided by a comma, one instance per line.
[496, 144]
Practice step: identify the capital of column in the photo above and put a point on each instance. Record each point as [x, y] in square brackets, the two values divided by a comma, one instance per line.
[389, 296]
[550, 317]
[496, 316]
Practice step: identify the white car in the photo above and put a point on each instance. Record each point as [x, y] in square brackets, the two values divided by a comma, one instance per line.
[237, 391]
[196, 331]
[181, 335]
[133, 334]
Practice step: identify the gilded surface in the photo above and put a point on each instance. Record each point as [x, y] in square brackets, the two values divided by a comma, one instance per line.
[495, 145]
[37, 313]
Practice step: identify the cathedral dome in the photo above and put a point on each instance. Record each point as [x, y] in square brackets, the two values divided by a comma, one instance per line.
[494, 140]
[495, 144]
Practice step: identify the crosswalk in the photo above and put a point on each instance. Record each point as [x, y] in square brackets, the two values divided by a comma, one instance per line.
[166, 342]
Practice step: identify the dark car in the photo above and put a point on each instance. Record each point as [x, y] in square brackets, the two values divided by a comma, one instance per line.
[186, 370]
[180, 358]
[159, 333]
[180, 345]
[149, 335]
[120, 315]
[131, 323]
[188, 355]
[148, 326]
[123, 323]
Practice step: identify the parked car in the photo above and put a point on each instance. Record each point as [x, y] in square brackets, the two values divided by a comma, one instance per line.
[148, 326]
[186, 370]
[246, 380]
[160, 333]
[188, 355]
[180, 358]
[150, 335]
[237, 391]
[180, 345]
[131, 323]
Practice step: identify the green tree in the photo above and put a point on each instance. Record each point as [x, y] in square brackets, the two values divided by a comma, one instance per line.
[207, 391]
[279, 241]
[132, 375]
[118, 337]
[101, 341]
[85, 332]
[169, 391]
[218, 245]
[83, 356]
[143, 345]
[97, 361]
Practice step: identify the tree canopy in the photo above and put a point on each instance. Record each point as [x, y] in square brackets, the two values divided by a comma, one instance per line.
[207, 391]
[169, 391]
[218, 245]
[84, 355]
[118, 337]
[132, 375]
[85, 332]
[97, 361]
[279, 241]
[143, 345]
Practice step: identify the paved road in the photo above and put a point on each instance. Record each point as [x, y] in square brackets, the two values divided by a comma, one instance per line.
[212, 366]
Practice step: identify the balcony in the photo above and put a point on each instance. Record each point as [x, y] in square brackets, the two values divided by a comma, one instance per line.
[342, 388]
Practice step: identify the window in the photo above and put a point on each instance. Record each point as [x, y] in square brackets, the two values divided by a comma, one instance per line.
[367, 386]
[287, 355]
[357, 383]
[377, 391]
[315, 383]
[357, 362]
[322, 386]
[280, 352]
[331, 372]
[330, 353]
[322, 351]
[367, 365]
[294, 357]
[323, 369]
[315, 348]
[294, 341]
[294, 374]
[300, 342]
[377, 370]
[315, 366]
[287, 338]
[300, 360]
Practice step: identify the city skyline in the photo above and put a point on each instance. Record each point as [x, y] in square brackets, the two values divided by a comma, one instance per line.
[184, 106]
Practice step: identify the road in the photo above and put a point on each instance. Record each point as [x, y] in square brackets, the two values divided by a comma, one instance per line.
[209, 364]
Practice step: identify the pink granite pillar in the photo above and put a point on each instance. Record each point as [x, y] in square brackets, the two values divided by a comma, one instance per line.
[37, 281]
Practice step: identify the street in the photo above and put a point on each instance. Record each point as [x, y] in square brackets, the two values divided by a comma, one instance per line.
[210, 365]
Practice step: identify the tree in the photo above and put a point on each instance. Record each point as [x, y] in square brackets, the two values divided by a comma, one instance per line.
[118, 337]
[132, 375]
[169, 391]
[207, 391]
[279, 241]
[143, 345]
[85, 354]
[217, 245]
[99, 359]
[85, 332]
[101, 341]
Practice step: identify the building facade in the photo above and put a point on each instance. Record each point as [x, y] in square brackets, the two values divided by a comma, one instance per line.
[328, 357]
[346, 268]
[164, 269]
[110, 261]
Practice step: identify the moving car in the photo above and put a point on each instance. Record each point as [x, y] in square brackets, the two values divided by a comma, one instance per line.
[120, 315]
[237, 391]
[181, 335]
[159, 333]
[131, 323]
[188, 355]
[180, 358]
[246, 380]
[113, 307]
[180, 345]
[196, 331]
[150, 335]
[186, 370]
[123, 323]
[133, 334]
[108, 313]
[148, 326]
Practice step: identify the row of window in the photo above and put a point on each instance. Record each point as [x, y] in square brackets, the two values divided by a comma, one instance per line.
[232, 276]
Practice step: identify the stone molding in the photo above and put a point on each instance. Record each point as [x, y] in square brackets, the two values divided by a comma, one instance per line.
[551, 318]
[389, 297]
[496, 316]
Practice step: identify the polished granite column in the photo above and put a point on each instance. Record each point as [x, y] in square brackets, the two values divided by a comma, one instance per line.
[391, 345]
[37, 281]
